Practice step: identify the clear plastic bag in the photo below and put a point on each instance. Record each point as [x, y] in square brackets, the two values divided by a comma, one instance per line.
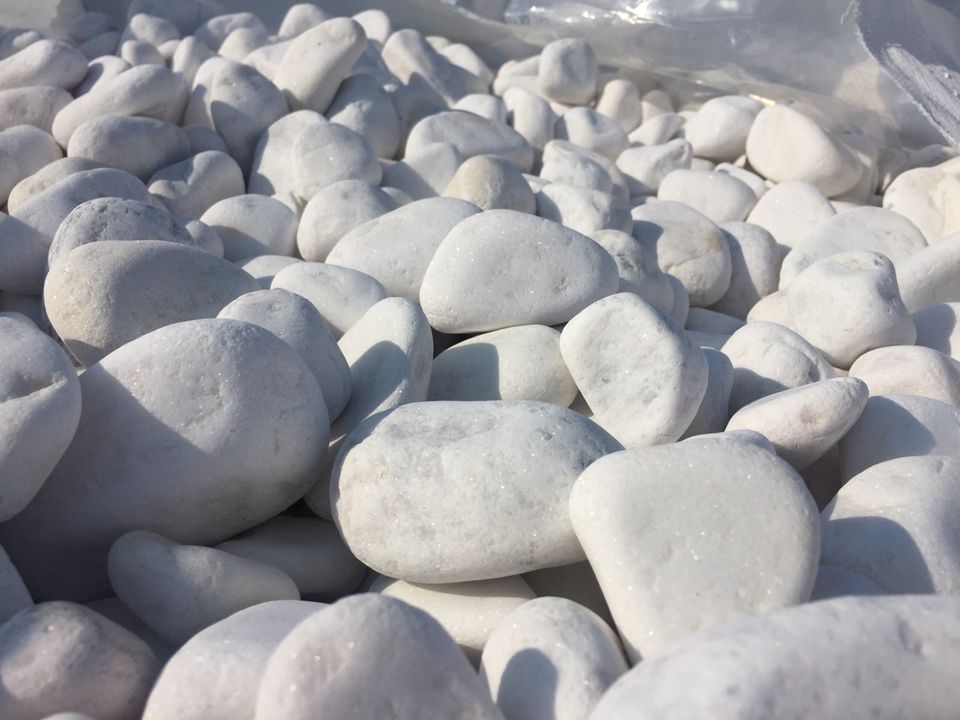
[885, 68]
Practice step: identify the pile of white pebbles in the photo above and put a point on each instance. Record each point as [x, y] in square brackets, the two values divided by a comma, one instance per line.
[345, 376]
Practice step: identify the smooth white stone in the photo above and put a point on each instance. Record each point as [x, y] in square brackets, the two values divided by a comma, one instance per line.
[468, 611]
[44, 62]
[364, 107]
[568, 71]
[138, 145]
[910, 425]
[577, 171]
[560, 148]
[620, 101]
[463, 532]
[586, 211]
[252, 225]
[408, 55]
[45, 177]
[221, 401]
[191, 187]
[641, 375]
[648, 520]
[264, 268]
[789, 211]
[752, 180]
[137, 52]
[426, 173]
[486, 106]
[768, 358]
[341, 295]
[203, 138]
[909, 370]
[550, 659]
[25, 150]
[721, 197]
[784, 144]
[60, 655]
[712, 415]
[804, 422]
[719, 129]
[646, 167]
[36, 106]
[464, 56]
[376, 24]
[929, 276]
[419, 670]
[554, 273]
[847, 304]
[857, 658]
[589, 129]
[491, 183]
[518, 363]
[273, 160]
[657, 130]
[531, 116]
[637, 265]
[929, 198]
[328, 153]
[471, 135]
[335, 211]
[755, 265]
[689, 246]
[296, 321]
[937, 328]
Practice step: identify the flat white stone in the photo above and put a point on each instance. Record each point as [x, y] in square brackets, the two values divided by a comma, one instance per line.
[803, 423]
[649, 519]
[102, 295]
[199, 430]
[641, 375]
[518, 363]
[847, 304]
[790, 210]
[768, 358]
[785, 144]
[215, 675]
[466, 513]
[420, 671]
[342, 295]
[297, 322]
[910, 425]
[59, 655]
[853, 657]
[554, 273]
[252, 225]
[909, 370]
[721, 197]
[468, 611]
[551, 659]
[689, 246]
[307, 549]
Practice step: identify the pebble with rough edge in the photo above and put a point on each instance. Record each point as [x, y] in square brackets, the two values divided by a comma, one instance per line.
[44, 178]
[550, 659]
[26, 235]
[297, 322]
[112, 218]
[568, 71]
[364, 107]
[689, 246]
[554, 273]
[721, 197]
[25, 150]
[790, 210]
[896, 524]
[834, 582]
[14, 595]
[768, 358]
[928, 197]
[430, 462]
[150, 91]
[410, 57]
[910, 425]
[712, 415]
[785, 144]
[191, 187]
[650, 521]
[471, 135]
[804, 422]
[425, 173]
[857, 658]
[937, 328]
[215, 675]
[589, 129]
[104, 294]
[637, 266]
[518, 363]
[178, 590]
[272, 167]
[847, 304]
[59, 656]
[860, 229]
[646, 167]
[755, 264]
[469, 611]
[45, 62]
[39, 411]
[329, 153]
[138, 145]
[252, 225]
[641, 375]
[307, 549]
[491, 183]
[909, 370]
[928, 276]
[620, 102]
[719, 129]
[342, 295]
[222, 426]
[585, 211]
[336, 210]
[324, 666]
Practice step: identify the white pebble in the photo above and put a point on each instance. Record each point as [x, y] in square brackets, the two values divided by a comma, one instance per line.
[336, 210]
[568, 71]
[252, 225]
[138, 145]
[646, 167]
[328, 153]
[721, 197]
[719, 129]
[754, 268]
[789, 211]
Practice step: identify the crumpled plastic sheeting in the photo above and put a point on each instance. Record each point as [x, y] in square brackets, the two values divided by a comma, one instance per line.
[885, 68]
